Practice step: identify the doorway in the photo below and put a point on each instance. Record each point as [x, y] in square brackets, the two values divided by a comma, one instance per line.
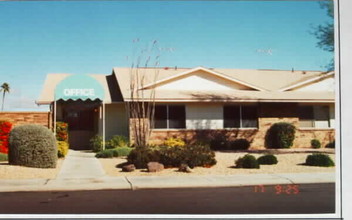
[83, 122]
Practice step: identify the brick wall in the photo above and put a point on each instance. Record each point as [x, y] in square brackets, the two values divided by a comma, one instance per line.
[20, 118]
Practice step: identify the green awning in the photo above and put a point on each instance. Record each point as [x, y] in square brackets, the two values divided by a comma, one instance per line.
[75, 87]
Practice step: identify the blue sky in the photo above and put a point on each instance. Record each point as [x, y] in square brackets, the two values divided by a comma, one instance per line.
[37, 38]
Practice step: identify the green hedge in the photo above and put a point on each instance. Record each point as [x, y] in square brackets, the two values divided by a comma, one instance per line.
[3, 157]
[32, 146]
[319, 159]
[267, 159]
[115, 152]
[247, 161]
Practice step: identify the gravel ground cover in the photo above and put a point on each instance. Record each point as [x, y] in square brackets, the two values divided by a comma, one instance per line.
[288, 163]
[20, 172]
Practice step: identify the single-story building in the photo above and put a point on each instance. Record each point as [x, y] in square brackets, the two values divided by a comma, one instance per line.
[195, 103]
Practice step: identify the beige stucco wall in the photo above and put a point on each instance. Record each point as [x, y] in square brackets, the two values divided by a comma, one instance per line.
[116, 122]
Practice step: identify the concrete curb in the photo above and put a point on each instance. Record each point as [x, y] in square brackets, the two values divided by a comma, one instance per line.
[155, 182]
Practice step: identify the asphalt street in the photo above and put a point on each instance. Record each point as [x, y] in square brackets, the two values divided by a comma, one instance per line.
[270, 199]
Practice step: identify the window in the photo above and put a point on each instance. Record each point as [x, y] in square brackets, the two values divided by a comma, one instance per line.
[238, 116]
[170, 116]
[314, 116]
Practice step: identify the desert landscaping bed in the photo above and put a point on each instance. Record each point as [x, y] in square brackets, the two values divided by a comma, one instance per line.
[288, 163]
[20, 172]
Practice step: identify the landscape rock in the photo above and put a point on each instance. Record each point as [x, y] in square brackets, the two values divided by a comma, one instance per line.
[128, 168]
[184, 168]
[155, 167]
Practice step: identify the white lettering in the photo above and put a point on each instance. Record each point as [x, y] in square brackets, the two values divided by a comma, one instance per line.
[79, 92]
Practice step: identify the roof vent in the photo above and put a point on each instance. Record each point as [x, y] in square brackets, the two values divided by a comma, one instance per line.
[292, 69]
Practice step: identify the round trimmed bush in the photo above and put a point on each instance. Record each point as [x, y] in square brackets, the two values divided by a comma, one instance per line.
[280, 135]
[268, 159]
[315, 143]
[32, 146]
[247, 161]
[321, 160]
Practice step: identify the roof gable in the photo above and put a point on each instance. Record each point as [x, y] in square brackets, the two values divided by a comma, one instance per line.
[201, 78]
[323, 82]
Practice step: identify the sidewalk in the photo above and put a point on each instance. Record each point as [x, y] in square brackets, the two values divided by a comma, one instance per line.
[82, 171]
[149, 182]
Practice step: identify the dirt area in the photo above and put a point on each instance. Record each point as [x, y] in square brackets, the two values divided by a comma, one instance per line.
[288, 163]
[20, 172]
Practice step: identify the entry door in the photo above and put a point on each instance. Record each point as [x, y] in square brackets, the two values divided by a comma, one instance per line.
[81, 128]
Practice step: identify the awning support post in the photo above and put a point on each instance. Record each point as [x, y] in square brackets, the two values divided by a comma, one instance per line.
[55, 117]
[103, 125]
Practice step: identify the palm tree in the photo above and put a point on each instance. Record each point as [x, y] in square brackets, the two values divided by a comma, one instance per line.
[5, 88]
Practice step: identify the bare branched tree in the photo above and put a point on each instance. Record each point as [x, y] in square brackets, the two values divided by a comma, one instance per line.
[141, 106]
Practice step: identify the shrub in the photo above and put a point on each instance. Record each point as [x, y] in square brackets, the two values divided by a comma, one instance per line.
[199, 155]
[267, 159]
[315, 143]
[319, 159]
[141, 156]
[62, 148]
[108, 153]
[33, 146]
[5, 128]
[96, 143]
[3, 157]
[218, 142]
[123, 151]
[61, 131]
[247, 161]
[331, 144]
[173, 142]
[118, 141]
[280, 135]
[193, 155]
[239, 144]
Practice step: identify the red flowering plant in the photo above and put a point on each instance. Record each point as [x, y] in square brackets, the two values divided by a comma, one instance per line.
[5, 128]
[61, 131]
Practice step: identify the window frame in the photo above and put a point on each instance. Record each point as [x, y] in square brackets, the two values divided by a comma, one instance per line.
[168, 117]
[240, 116]
[314, 119]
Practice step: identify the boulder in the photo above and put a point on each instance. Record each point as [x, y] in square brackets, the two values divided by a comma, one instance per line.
[155, 167]
[128, 168]
[184, 168]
